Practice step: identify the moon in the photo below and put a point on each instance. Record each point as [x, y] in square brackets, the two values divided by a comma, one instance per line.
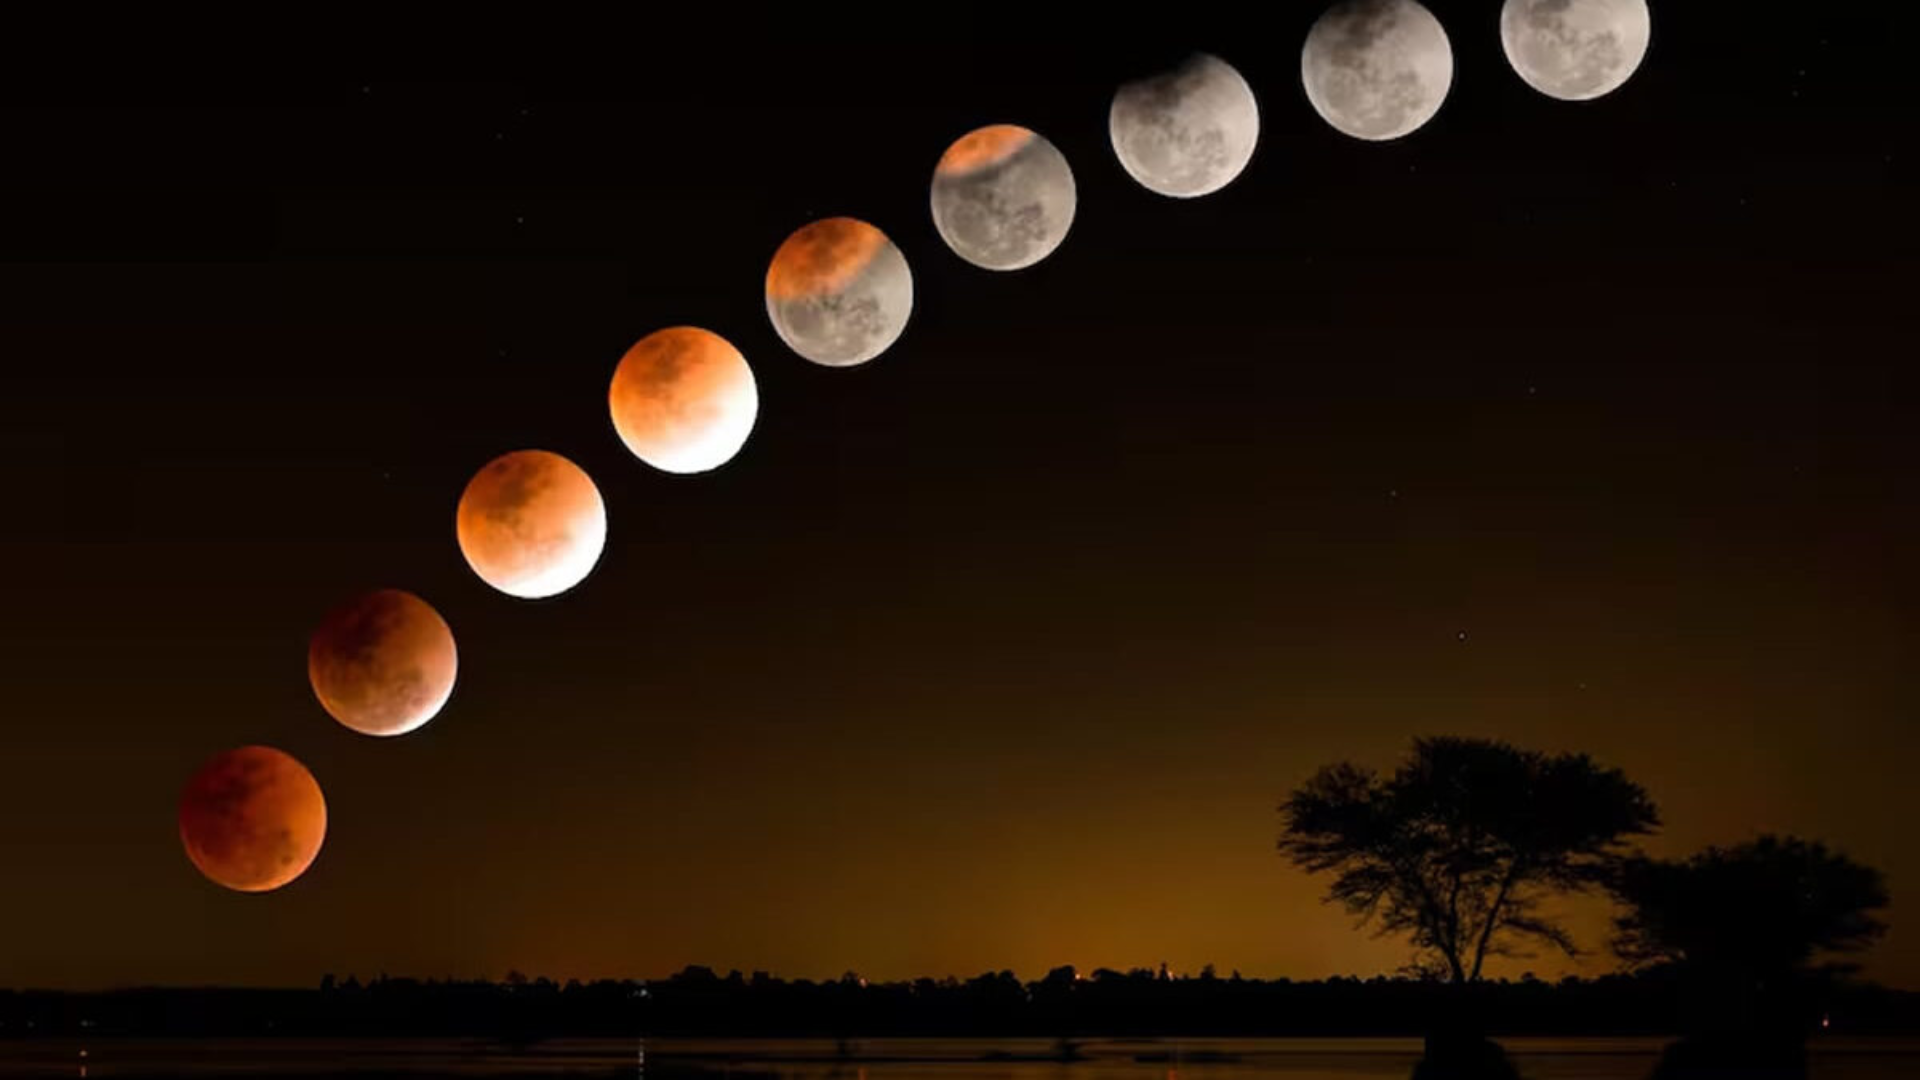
[839, 292]
[531, 524]
[1003, 197]
[1377, 69]
[1188, 131]
[382, 663]
[683, 400]
[1576, 50]
[252, 819]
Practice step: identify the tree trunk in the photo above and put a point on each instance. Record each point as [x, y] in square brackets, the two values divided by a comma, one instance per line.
[1493, 918]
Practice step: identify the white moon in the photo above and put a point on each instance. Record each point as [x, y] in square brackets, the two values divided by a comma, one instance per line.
[1003, 197]
[1576, 50]
[1188, 131]
[1377, 69]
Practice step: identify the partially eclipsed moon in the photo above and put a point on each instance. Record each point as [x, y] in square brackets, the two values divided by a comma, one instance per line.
[382, 663]
[1377, 69]
[683, 400]
[1003, 197]
[839, 292]
[531, 524]
[252, 819]
[1576, 50]
[1188, 131]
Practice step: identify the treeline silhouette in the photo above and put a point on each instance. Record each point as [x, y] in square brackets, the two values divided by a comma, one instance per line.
[1064, 1004]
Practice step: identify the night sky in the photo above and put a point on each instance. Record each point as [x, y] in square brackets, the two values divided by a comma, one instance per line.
[1589, 426]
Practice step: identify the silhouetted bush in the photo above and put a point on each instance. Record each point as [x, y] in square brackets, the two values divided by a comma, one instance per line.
[1741, 929]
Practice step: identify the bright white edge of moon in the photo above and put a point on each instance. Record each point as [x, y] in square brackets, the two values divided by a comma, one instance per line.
[426, 712]
[566, 564]
[717, 441]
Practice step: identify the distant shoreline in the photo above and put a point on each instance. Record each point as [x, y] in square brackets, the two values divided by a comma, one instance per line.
[699, 1003]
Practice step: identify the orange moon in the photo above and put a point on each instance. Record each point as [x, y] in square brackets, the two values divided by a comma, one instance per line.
[683, 400]
[252, 819]
[531, 524]
[382, 663]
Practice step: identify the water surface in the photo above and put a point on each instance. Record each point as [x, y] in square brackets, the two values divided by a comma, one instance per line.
[875, 1059]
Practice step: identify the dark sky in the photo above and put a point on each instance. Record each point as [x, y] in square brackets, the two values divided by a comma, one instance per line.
[1587, 426]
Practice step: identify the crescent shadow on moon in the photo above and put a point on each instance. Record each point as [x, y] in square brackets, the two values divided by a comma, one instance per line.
[1377, 69]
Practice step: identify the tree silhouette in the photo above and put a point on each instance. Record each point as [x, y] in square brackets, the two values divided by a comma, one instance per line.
[1745, 924]
[1769, 905]
[1459, 847]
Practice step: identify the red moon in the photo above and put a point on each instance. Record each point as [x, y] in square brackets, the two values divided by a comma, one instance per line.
[531, 524]
[683, 400]
[252, 819]
[382, 663]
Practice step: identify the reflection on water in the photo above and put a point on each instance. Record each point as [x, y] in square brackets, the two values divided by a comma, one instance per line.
[878, 1059]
